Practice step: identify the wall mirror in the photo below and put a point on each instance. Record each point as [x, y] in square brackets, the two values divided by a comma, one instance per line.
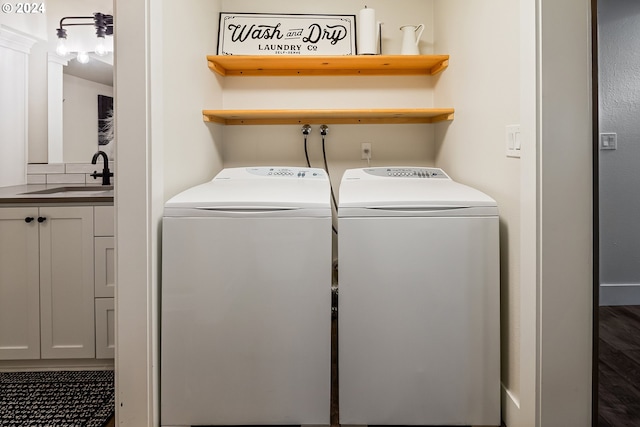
[65, 84]
[87, 98]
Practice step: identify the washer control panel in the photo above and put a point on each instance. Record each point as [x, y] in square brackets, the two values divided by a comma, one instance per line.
[288, 172]
[407, 172]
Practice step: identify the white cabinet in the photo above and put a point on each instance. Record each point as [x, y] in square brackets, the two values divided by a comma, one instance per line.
[66, 283]
[47, 283]
[19, 284]
[104, 250]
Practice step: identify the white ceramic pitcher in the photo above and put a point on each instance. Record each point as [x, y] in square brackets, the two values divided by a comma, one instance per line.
[410, 39]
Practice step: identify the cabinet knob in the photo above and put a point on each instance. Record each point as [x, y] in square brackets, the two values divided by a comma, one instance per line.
[42, 218]
[28, 219]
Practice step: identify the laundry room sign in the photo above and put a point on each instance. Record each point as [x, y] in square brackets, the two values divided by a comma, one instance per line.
[279, 34]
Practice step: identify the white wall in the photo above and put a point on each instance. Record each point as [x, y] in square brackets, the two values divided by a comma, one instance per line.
[193, 149]
[80, 118]
[38, 105]
[483, 84]
[33, 24]
[14, 86]
[13, 108]
[18, 35]
[619, 87]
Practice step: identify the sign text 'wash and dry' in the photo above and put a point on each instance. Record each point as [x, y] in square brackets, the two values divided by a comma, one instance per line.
[271, 34]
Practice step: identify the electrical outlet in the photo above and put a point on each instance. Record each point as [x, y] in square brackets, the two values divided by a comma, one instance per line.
[365, 151]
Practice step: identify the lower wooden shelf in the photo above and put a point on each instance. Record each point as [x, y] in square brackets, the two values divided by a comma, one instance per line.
[351, 116]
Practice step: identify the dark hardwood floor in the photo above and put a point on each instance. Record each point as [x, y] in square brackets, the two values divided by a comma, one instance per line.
[619, 367]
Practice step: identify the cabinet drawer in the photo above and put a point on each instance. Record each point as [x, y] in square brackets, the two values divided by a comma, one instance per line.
[104, 221]
[105, 328]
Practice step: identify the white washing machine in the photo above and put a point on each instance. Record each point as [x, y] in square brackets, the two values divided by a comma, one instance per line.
[246, 300]
[419, 325]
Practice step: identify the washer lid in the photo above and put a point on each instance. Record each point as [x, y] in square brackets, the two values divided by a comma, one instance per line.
[264, 191]
[409, 191]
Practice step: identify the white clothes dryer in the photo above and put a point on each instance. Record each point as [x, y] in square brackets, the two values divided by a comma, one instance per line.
[246, 300]
[419, 304]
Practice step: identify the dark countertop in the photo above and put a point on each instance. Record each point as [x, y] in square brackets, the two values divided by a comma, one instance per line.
[46, 194]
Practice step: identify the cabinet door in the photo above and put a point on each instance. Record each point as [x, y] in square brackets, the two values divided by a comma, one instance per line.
[66, 283]
[105, 328]
[105, 267]
[19, 284]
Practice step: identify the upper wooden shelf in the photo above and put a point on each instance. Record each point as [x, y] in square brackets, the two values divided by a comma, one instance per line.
[352, 116]
[368, 65]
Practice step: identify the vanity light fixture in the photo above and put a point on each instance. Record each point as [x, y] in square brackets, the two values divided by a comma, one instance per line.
[101, 22]
[83, 57]
[101, 48]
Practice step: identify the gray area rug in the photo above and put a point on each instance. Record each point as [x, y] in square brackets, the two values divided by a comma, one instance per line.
[56, 399]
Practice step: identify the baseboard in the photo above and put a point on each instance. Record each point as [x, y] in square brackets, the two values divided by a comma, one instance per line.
[620, 294]
[510, 404]
[56, 365]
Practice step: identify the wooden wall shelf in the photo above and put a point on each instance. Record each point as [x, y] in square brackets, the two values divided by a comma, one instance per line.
[384, 65]
[351, 116]
[352, 65]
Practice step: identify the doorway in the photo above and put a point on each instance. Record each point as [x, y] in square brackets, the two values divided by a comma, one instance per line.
[616, 94]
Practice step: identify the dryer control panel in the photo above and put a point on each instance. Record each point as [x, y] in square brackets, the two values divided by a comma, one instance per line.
[410, 172]
[288, 172]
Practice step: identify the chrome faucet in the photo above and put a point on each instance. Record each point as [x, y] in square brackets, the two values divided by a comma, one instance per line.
[106, 174]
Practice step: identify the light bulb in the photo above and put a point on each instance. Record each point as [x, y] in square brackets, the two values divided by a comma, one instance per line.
[83, 57]
[61, 47]
[101, 47]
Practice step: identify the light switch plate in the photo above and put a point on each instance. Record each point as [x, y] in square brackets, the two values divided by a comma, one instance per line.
[609, 141]
[513, 141]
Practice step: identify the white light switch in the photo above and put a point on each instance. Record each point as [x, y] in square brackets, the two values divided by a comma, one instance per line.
[609, 141]
[513, 140]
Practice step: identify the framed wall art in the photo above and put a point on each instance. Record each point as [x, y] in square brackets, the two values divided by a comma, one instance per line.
[286, 34]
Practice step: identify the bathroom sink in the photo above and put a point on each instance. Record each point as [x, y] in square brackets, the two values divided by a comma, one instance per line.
[94, 190]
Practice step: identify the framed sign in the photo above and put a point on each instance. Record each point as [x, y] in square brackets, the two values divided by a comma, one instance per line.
[280, 34]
